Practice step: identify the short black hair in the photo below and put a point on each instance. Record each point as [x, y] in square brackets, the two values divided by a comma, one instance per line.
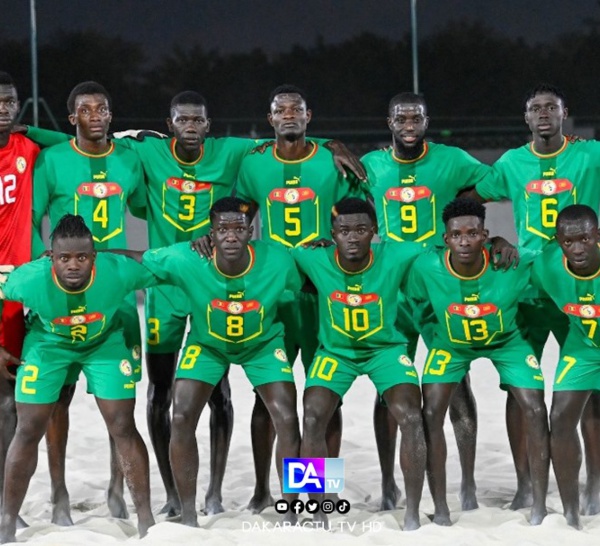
[544, 88]
[87, 88]
[71, 226]
[576, 212]
[230, 204]
[353, 205]
[188, 97]
[6, 79]
[462, 206]
[287, 89]
[406, 97]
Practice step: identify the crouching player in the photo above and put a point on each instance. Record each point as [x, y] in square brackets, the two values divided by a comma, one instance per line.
[233, 299]
[74, 295]
[475, 307]
[357, 284]
[569, 272]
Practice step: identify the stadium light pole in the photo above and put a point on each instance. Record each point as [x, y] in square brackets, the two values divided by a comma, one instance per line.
[34, 72]
[415, 57]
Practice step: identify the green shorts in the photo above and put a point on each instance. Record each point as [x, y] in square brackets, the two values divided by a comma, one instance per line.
[515, 362]
[578, 368]
[166, 312]
[537, 318]
[299, 313]
[387, 368]
[108, 366]
[264, 364]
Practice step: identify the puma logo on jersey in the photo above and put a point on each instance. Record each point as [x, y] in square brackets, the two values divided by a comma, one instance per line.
[551, 172]
[588, 297]
[236, 295]
[102, 175]
[411, 179]
[189, 176]
[294, 181]
[473, 297]
[354, 288]
[78, 310]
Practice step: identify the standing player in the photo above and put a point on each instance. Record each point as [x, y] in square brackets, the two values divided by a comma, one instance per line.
[75, 297]
[294, 184]
[91, 177]
[233, 299]
[17, 155]
[475, 308]
[358, 286]
[569, 272]
[541, 178]
[184, 176]
[411, 182]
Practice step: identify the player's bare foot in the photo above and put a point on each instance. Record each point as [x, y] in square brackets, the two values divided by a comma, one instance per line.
[61, 508]
[538, 515]
[390, 495]
[144, 524]
[523, 497]
[290, 518]
[8, 532]
[21, 524]
[116, 504]
[259, 502]
[213, 505]
[468, 498]
[441, 516]
[590, 503]
[412, 521]
[190, 519]
[172, 508]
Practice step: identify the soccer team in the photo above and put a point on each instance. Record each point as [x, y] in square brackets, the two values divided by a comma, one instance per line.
[315, 284]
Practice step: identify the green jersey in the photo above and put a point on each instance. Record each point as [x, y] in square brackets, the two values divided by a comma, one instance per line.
[357, 311]
[541, 185]
[229, 314]
[575, 296]
[180, 194]
[477, 311]
[410, 195]
[97, 187]
[82, 317]
[295, 197]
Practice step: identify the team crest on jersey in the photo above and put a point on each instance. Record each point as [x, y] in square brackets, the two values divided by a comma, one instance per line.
[100, 190]
[549, 187]
[280, 355]
[136, 352]
[125, 368]
[188, 186]
[585, 311]
[291, 196]
[532, 362]
[354, 300]
[472, 311]
[235, 308]
[407, 195]
[77, 319]
[405, 361]
[21, 164]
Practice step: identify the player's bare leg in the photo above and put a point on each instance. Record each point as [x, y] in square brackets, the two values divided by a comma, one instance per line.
[280, 399]
[463, 415]
[404, 403]
[8, 418]
[161, 372]
[132, 455]
[319, 405]
[21, 462]
[189, 399]
[221, 427]
[436, 399]
[566, 412]
[533, 407]
[114, 494]
[517, 438]
[57, 434]
[590, 430]
[386, 435]
[263, 438]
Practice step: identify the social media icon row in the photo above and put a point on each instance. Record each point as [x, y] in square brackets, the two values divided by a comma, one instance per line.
[311, 506]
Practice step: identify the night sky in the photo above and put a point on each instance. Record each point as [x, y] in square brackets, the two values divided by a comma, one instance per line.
[241, 25]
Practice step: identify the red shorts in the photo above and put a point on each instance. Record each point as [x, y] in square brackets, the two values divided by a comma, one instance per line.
[12, 328]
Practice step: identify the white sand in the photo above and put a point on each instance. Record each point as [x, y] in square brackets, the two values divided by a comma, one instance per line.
[492, 523]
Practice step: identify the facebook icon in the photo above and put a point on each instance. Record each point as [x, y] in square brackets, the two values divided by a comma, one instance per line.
[313, 475]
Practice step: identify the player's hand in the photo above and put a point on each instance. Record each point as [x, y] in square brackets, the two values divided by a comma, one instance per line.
[261, 148]
[504, 255]
[345, 159]
[5, 359]
[19, 129]
[45, 254]
[574, 138]
[203, 246]
[138, 134]
[319, 243]
[4, 272]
